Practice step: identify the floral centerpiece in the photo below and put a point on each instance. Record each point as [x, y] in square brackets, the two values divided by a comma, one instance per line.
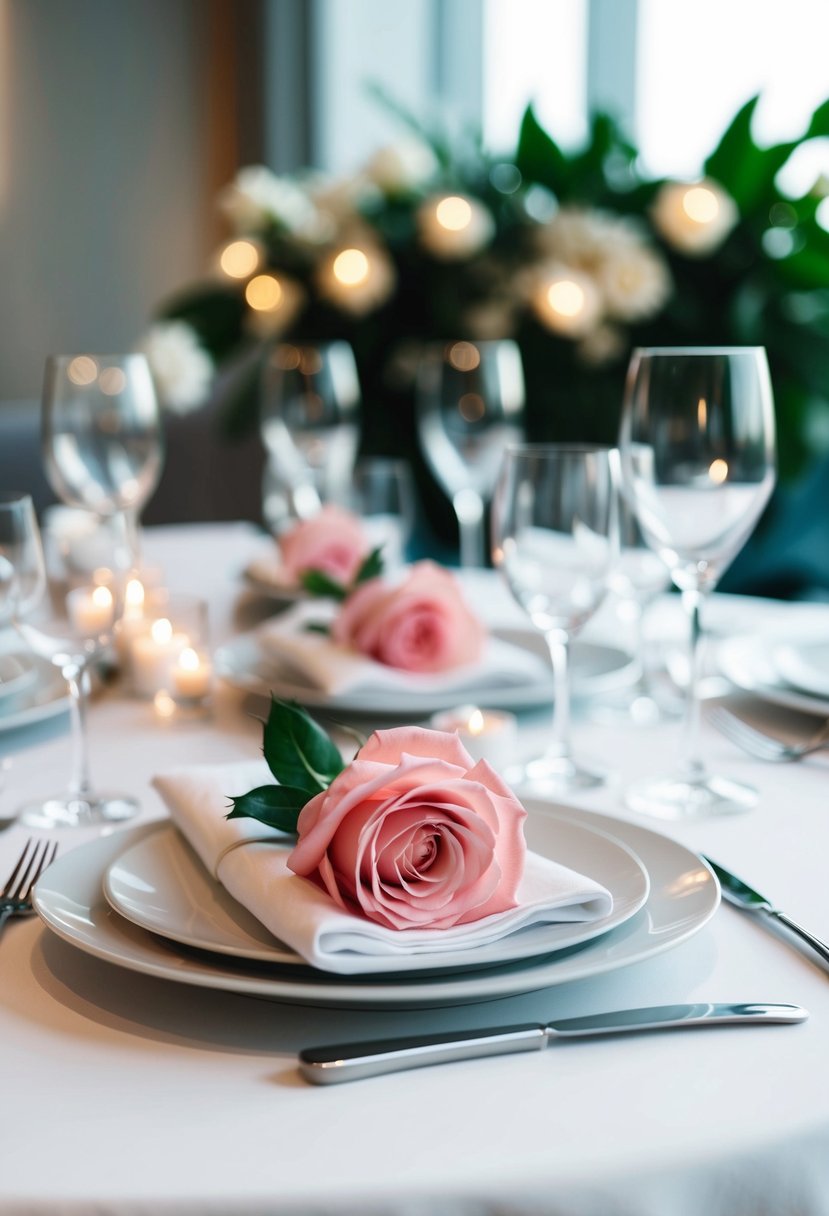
[578, 255]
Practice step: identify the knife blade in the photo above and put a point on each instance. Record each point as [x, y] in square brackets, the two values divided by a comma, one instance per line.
[353, 1061]
[739, 893]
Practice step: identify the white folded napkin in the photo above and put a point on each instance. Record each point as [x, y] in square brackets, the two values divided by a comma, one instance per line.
[249, 860]
[321, 663]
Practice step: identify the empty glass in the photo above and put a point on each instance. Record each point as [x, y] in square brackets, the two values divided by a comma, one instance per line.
[102, 437]
[383, 496]
[470, 405]
[310, 427]
[72, 643]
[555, 541]
[698, 459]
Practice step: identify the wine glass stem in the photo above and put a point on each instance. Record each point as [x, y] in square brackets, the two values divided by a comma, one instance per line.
[559, 645]
[78, 681]
[692, 765]
[469, 508]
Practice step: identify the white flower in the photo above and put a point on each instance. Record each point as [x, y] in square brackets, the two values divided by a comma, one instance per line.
[396, 168]
[357, 277]
[603, 345]
[180, 366]
[257, 197]
[634, 281]
[694, 217]
[454, 226]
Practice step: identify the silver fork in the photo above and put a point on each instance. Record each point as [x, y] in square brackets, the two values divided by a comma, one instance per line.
[16, 896]
[761, 745]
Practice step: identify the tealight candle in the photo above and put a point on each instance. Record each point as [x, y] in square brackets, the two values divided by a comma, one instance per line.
[191, 675]
[153, 655]
[487, 734]
[91, 610]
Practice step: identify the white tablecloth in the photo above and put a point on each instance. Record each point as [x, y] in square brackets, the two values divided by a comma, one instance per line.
[126, 1094]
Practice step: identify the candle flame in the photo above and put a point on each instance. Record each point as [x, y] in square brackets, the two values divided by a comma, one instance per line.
[134, 594]
[188, 660]
[102, 597]
[161, 631]
[475, 725]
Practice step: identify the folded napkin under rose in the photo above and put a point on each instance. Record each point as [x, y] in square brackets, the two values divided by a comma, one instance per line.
[249, 860]
[318, 661]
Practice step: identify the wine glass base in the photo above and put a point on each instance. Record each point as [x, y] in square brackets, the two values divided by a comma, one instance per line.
[689, 798]
[64, 811]
[553, 775]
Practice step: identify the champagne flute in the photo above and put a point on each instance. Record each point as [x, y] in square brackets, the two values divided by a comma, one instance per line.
[698, 459]
[309, 427]
[72, 644]
[470, 404]
[101, 437]
[555, 541]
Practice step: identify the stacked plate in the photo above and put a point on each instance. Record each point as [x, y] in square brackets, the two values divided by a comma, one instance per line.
[31, 688]
[784, 671]
[141, 899]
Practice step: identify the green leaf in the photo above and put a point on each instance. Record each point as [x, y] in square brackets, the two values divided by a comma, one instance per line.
[727, 160]
[371, 567]
[317, 627]
[318, 583]
[538, 157]
[297, 750]
[276, 805]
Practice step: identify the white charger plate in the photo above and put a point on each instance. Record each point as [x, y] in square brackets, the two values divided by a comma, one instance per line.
[683, 897]
[804, 664]
[751, 663]
[38, 692]
[595, 669]
[160, 884]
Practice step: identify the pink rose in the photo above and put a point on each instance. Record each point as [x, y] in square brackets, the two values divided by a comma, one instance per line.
[413, 834]
[424, 624]
[332, 541]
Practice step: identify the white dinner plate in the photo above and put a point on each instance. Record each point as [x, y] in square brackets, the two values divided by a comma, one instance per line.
[684, 895]
[595, 669]
[804, 664]
[161, 885]
[752, 664]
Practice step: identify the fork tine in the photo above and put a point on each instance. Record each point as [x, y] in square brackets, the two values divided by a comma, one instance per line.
[22, 861]
[46, 858]
[746, 736]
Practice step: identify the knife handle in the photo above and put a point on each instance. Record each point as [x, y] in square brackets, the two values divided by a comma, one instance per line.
[353, 1061]
[820, 948]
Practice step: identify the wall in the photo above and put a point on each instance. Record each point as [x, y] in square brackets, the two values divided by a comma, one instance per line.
[106, 166]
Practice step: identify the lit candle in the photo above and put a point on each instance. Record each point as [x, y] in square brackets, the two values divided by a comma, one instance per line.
[191, 675]
[91, 610]
[487, 734]
[153, 656]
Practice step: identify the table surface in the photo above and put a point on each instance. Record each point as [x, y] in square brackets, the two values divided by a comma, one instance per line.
[129, 1094]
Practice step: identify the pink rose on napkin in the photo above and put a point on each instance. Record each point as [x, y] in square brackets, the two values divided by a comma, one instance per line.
[424, 624]
[332, 541]
[413, 834]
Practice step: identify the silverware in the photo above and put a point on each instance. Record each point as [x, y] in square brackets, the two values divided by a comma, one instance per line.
[16, 896]
[761, 745]
[353, 1061]
[743, 896]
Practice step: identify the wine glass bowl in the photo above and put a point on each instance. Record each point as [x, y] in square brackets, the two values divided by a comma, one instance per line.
[309, 424]
[470, 403]
[555, 542]
[697, 445]
[101, 434]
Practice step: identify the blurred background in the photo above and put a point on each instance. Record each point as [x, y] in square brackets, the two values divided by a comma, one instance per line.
[121, 123]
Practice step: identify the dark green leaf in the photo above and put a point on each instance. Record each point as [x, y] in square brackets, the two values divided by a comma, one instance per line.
[538, 157]
[297, 750]
[727, 160]
[317, 583]
[276, 805]
[371, 567]
[317, 627]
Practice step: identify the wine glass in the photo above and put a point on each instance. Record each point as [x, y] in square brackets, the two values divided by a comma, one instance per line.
[698, 459]
[384, 498]
[555, 541]
[73, 644]
[470, 405]
[309, 426]
[101, 437]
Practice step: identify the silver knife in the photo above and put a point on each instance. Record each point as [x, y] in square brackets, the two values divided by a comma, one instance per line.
[743, 896]
[353, 1061]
